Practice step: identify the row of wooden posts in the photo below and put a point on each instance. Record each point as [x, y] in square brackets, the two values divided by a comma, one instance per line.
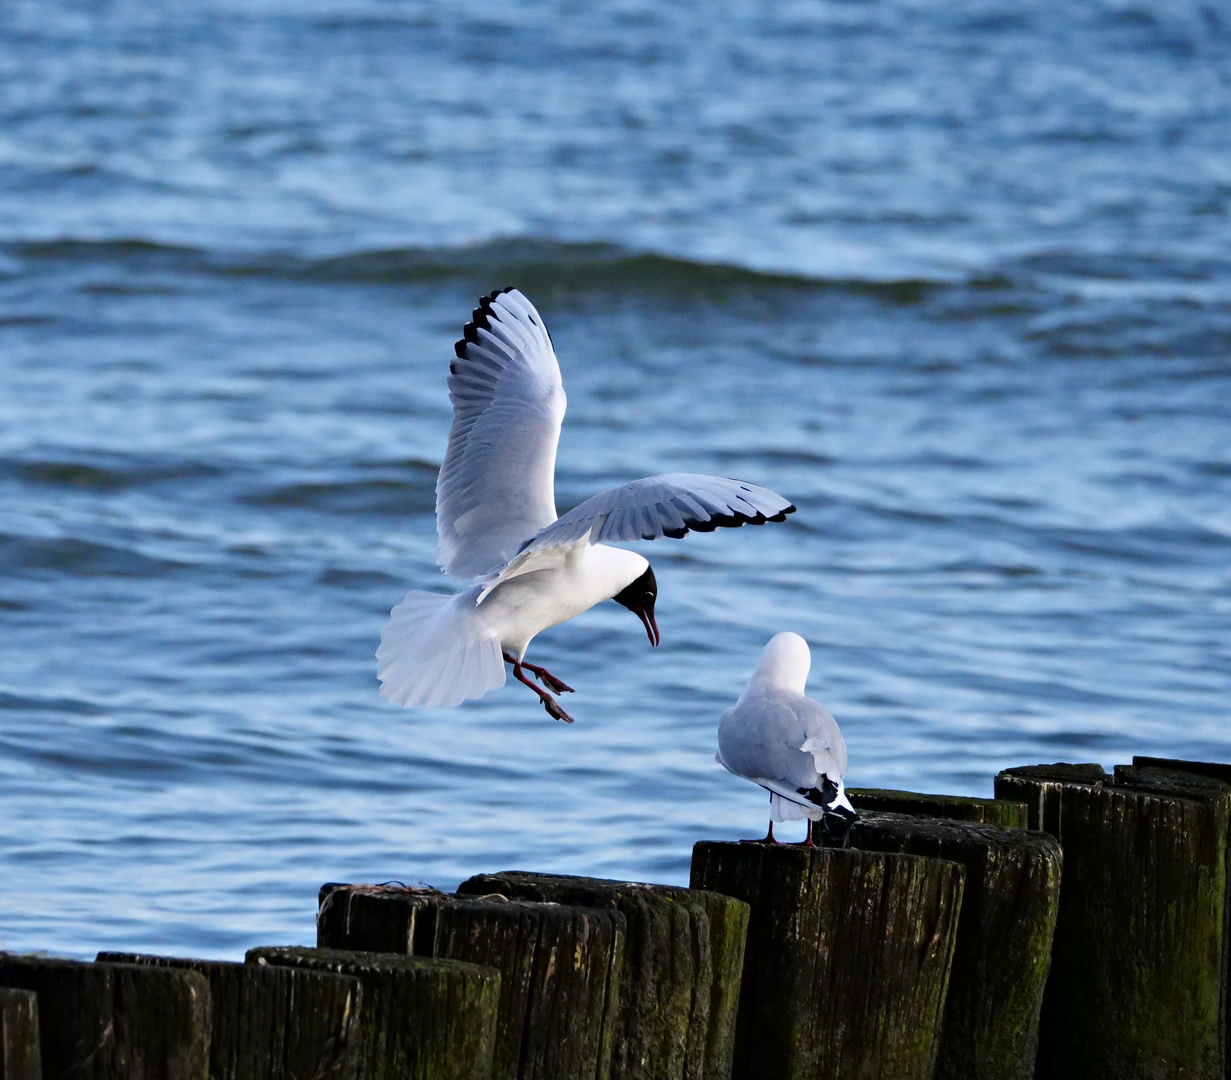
[1078, 925]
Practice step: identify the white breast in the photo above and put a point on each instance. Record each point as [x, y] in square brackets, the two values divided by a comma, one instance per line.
[518, 609]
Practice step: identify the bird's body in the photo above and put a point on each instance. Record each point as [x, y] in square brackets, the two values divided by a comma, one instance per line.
[782, 740]
[457, 627]
[531, 603]
[497, 524]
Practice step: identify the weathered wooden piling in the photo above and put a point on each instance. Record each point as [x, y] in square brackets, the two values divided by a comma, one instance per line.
[1216, 770]
[19, 1048]
[274, 1023]
[560, 966]
[420, 1019]
[1039, 787]
[1004, 936]
[1136, 990]
[847, 960]
[1207, 782]
[679, 985]
[1012, 815]
[377, 918]
[115, 1021]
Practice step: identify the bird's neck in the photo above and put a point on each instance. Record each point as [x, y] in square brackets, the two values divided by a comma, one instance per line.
[776, 676]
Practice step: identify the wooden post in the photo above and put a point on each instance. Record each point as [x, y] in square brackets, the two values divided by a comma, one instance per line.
[420, 1019]
[115, 1021]
[1039, 787]
[19, 1049]
[1201, 783]
[274, 1023]
[1136, 987]
[679, 986]
[560, 967]
[1012, 815]
[377, 918]
[847, 960]
[1215, 770]
[1004, 936]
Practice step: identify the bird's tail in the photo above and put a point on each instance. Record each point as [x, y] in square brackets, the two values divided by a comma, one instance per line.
[783, 809]
[433, 651]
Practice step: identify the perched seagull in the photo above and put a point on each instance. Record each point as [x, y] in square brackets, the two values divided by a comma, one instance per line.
[787, 743]
[497, 525]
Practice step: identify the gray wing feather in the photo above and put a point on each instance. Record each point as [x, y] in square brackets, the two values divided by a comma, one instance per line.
[497, 485]
[824, 740]
[762, 739]
[670, 504]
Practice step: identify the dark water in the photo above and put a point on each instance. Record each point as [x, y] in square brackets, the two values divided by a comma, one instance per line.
[955, 278]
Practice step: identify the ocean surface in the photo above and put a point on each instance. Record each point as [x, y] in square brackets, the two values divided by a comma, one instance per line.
[955, 278]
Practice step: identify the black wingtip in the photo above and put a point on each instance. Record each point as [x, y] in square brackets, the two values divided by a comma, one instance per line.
[480, 318]
[726, 521]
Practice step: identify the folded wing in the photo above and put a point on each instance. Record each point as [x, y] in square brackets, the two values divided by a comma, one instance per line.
[788, 744]
[496, 488]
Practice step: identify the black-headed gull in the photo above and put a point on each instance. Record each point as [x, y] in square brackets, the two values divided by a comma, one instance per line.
[497, 524]
[787, 743]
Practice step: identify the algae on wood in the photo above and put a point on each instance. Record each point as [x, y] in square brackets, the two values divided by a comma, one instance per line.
[1136, 987]
[274, 1023]
[559, 964]
[115, 1021]
[1004, 936]
[19, 1049]
[847, 960]
[1011, 815]
[679, 985]
[420, 1019]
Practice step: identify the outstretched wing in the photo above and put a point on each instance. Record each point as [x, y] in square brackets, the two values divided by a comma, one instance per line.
[496, 488]
[670, 504]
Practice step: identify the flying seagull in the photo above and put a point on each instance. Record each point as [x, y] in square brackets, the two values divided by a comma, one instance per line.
[787, 743]
[498, 529]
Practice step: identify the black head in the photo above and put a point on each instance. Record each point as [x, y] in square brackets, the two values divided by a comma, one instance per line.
[639, 597]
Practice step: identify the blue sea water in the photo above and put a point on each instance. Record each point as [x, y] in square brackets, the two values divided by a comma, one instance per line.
[956, 278]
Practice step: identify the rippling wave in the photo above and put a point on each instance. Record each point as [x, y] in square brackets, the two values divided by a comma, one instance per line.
[537, 265]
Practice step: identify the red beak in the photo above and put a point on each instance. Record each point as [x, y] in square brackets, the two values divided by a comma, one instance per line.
[651, 626]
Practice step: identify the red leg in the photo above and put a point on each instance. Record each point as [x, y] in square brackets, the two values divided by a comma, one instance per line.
[544, 676]
[549, 703]
[768, 838]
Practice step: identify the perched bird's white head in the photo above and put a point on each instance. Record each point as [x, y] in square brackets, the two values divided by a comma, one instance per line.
[785, 662]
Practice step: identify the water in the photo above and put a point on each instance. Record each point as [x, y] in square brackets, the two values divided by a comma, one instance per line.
[955, 278]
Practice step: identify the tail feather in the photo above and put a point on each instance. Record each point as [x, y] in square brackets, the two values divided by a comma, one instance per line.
[434, 652]
[782, 809]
